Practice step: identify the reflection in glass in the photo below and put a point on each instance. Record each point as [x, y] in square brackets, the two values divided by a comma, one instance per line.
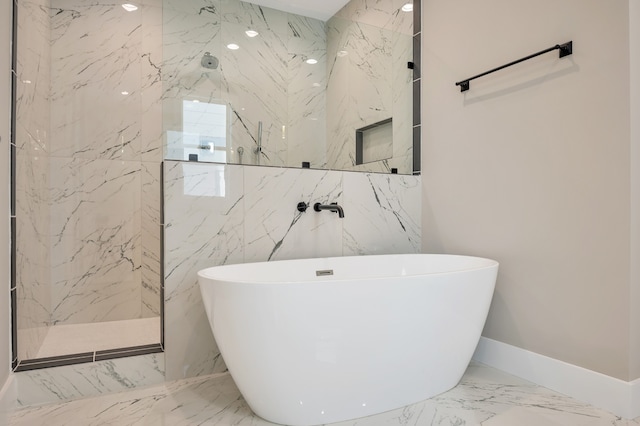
[204, 133]
[321, 81]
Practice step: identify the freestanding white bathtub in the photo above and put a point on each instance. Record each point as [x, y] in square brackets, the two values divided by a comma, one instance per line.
[317, 341]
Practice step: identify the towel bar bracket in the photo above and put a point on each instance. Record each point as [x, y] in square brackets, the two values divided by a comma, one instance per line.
[566, 49]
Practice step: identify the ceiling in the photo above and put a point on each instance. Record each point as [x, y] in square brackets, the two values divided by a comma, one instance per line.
[319, 9]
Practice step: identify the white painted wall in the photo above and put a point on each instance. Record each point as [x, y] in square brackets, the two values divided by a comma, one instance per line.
[5, 102]
[532, 167]
[634, 85]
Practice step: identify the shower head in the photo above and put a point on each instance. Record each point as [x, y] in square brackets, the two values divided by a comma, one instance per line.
[208, 61]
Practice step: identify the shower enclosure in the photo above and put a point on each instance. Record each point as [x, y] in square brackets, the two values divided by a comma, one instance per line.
[105, 91]
[87, 164]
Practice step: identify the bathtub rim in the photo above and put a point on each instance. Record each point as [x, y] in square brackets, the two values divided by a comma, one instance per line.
[225, 271]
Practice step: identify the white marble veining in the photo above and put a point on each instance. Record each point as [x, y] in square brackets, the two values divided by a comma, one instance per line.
[188, 30]
[275, 230]
[385, 214]
[88, 165]
[484, 397]
[260, 62]
[33, 68]
[340, 143]
[203, 227]
[369, 45]
[95, 74]
[267, 80]
[94, 97]
[151, 84]
[150, 239]
[306, 135]
[32, 175]
[106, 139]
[95, 246]
[83, 380]
[221, 214]
[104, 70]
[377, 13]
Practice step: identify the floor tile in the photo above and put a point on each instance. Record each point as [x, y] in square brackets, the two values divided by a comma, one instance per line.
[484, 397]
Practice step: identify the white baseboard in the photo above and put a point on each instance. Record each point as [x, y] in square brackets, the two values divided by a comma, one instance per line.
[614, 395]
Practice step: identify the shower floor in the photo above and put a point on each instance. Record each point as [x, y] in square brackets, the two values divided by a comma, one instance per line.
[80, 338]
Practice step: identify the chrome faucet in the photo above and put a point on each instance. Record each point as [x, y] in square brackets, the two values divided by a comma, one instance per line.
[334, 207]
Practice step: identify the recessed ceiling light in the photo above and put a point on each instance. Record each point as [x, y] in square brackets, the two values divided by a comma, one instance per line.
[124, 92]
[408, 7]
[129, 7]
[251, 33]
[233, 46]
[311, 61]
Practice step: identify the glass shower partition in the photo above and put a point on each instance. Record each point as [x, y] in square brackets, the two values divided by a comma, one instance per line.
[87, 161]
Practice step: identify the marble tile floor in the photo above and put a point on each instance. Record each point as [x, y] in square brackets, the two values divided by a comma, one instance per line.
[485, 396]
[78, 338]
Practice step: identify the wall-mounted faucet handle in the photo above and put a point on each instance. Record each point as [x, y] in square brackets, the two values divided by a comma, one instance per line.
[302, 206]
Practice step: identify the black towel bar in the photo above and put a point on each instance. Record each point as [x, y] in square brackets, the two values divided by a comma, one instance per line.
[566, 49]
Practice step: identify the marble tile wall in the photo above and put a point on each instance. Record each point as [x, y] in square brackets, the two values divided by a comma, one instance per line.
[265, 80]
[151, 154]
[89, 139]
[28, 388]
[307, 100]
[106, 150]
[222, 214]
[150, 238]
[95, 240]
[91, 135]
[189, 30]
[358, 51]
[368, 41]
[32, 175]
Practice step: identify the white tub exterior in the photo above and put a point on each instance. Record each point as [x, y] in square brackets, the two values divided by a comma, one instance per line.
[380, 333]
